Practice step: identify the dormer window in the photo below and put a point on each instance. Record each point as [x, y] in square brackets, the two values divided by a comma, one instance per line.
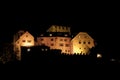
[86, 36]
[26, 35]
[52, 44]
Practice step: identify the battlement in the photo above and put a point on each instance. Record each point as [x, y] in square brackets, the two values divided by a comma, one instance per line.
[56, 28]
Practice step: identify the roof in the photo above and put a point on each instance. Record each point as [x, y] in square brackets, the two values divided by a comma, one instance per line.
[75, 35]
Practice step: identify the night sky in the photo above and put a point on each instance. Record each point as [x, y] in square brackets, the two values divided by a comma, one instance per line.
[101, 24]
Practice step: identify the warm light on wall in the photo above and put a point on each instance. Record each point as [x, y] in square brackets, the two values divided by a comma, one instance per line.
[28, 49]
[82, 43]
[99, 55]
[27, 44]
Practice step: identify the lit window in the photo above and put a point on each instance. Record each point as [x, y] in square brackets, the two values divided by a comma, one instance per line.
[86, 37]
[42, 49]
[23, 40]
[28, 49]
[41, 35]
[46, 49]
[99, 55]
[50, 35]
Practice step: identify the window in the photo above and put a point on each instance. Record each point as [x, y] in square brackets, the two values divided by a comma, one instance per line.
[84, 42]
[88, 42]
[67, 45]
[61, 39]
[61, 44]
[41, 35]
[50, 34]
[23, 40]
[79, 42]
[52, 44]
[65, 50]
[65, 39]
[18, 42]
[29, 41]
[51, 39]
[68, 50]
[42, 39]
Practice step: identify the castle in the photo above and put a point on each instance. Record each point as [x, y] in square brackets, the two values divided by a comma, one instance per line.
[56, 37]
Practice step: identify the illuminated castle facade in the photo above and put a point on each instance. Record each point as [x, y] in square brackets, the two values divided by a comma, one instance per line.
[56, 37]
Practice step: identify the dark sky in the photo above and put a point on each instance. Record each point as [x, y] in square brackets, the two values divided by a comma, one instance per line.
[101, 24]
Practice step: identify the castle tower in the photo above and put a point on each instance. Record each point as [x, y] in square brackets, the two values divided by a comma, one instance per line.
[82, 43]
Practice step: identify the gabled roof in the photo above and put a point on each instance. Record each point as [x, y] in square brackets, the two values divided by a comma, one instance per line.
[83, 33]
[26, 33]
